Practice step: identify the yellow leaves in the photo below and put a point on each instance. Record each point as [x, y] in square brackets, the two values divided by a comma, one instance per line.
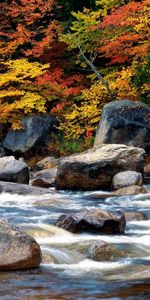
[11, 93]
[20, 70]
[31, 102]
[84, 115]
[17, 93]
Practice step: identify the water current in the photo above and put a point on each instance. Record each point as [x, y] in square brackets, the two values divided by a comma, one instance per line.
[66, 271]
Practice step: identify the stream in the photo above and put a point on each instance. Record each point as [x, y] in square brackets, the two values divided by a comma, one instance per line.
[66, 271]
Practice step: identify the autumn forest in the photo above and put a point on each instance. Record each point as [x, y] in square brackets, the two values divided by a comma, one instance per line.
[69, 58]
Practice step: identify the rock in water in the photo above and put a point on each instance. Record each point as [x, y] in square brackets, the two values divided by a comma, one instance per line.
[97, 220]
[17, 249]
[35, 129]
[13, 170]
[126, 178]
[95, 168]
[124, 122]
[102, 251]
[44, 178]
[130, 190]
[134, 216]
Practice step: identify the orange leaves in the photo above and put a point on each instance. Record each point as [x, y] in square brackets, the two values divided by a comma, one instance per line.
[122, 16]
[29, 23]
[120, 48]
[125, 33]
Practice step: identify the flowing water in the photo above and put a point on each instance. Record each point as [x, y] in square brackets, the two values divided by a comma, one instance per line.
[67, 272]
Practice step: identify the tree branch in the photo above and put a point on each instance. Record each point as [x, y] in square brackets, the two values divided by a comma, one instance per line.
[90, 64]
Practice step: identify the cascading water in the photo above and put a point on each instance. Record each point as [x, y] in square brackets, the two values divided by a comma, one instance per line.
[67, 271]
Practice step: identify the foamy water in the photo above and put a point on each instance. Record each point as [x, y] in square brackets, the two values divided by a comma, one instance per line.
[63, 253]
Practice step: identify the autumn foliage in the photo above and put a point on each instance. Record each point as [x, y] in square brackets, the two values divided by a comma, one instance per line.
[43, 69]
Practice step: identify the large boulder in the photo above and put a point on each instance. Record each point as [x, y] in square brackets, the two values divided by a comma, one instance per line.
[35, 130]
[13, 170]
[126, 178]
[98, 220]
[125, 122]
[17, 249]
[95, 168]
[44, 178]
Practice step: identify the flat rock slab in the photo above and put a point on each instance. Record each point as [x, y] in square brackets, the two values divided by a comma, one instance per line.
[97, 221]
[17, 249]
[95, 168]
[130, 190]
[23, 189]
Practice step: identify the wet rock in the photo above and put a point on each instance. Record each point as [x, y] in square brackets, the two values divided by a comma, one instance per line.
[126, 178]
[35, 131]
[17, 249]
[44, 178]
[147, 169]
[13, 170]
[102, 251]
[98, 220]
[47, 163]
[134, 216]
[95, 168]
[124, 122]
[130, 190]
[23, 189]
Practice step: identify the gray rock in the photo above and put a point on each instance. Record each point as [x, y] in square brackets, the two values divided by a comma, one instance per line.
[124, 122]
[35, 129]
[13, 170]
[126, 178]
[23, 189]
[17, 249]
[134, 216]
[95, 168]
[102, 251]
[98, 220]
[44, 178]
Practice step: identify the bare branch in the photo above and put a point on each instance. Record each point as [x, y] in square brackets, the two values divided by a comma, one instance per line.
[90, 64]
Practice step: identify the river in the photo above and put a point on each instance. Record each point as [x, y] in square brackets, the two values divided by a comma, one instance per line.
[66, 272]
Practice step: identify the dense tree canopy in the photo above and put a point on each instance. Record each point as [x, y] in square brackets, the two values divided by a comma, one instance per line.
[53, 53]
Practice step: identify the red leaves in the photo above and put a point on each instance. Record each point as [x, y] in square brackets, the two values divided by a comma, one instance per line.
[120, 48]
[55, 80]
[122, 16]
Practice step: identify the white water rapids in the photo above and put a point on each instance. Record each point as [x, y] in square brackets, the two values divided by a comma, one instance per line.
[65, 254]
